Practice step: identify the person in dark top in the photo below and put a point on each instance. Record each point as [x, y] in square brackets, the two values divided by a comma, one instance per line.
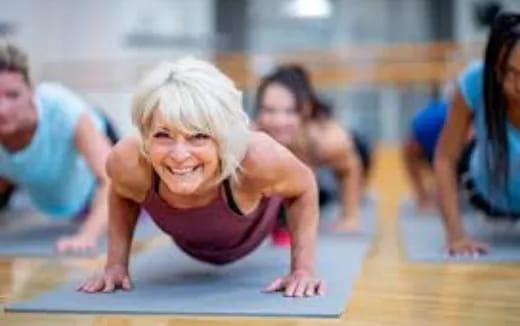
[289, 110]
[206, 179]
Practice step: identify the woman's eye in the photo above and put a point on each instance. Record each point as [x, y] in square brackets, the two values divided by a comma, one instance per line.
[13, 95]
[200, 136]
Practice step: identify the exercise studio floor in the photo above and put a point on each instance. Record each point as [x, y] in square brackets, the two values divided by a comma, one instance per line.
[389, 291]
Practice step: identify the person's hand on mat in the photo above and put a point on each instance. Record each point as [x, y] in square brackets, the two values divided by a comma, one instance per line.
[79, 242]
[466, 247]
[114, 277]
[298, 284]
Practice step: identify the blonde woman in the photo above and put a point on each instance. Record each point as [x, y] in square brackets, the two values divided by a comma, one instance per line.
[206, 179]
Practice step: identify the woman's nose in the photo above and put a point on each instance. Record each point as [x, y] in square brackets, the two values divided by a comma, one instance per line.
[179, 152]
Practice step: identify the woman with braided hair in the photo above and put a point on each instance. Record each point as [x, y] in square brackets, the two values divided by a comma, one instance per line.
[487, 98]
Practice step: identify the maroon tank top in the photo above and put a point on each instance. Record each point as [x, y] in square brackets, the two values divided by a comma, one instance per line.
[213, 233]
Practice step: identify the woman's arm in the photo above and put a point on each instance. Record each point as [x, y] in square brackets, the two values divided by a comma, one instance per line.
[123, 214]
[95, 147]
[278, 172]
[451, 143]
[301, 201]
[124, 209]
[340, 155]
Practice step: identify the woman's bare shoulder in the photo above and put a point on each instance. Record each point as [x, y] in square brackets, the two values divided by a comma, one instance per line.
[260, 149]
[129, 170]
[265, 157]
[270, 168]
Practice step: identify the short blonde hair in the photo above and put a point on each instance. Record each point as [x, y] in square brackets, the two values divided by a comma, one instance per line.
[195, 97]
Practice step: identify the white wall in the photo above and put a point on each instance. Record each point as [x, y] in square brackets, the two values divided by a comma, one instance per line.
[82, 43]
[466, 29]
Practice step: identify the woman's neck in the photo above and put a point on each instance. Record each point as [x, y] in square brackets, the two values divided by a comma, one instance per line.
[199, 199]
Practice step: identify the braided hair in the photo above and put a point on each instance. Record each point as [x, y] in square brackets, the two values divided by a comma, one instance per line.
[504, 34]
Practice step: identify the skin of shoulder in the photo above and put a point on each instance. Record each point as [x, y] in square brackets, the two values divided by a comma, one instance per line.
[129, 170]
[270, 168]
[332, 141]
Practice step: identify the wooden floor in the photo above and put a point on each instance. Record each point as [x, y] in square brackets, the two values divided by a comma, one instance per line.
[390, 291]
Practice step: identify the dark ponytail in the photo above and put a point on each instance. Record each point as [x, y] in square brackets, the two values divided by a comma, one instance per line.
[504, 34]
[296, 80]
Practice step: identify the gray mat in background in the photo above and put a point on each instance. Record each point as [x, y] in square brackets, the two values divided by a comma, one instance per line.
[38, 239]
[168, 282]
[408, 206]
[423, 239]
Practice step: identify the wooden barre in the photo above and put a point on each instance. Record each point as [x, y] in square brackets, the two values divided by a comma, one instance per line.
[331, 68]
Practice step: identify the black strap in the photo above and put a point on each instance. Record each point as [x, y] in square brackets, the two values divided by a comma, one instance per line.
[229, 195]
[155, 181]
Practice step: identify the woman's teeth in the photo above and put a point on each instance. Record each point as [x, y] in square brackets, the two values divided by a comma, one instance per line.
[182, 171]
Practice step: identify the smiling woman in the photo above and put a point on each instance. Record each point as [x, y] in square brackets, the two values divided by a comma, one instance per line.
[487, 98]
[206, 179]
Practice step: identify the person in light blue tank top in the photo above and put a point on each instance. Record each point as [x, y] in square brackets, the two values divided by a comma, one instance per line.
[503, 202]
[52, 144]
[488, 97]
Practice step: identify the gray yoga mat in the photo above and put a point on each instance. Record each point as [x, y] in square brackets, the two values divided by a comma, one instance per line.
[38, 239]
[168, 282]
[408, 206]
[423, 239]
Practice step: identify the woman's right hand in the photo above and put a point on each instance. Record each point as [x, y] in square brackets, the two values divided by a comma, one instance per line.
[466, 247]
[114, 277]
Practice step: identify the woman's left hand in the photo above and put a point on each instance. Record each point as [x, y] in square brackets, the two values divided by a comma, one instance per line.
[299, 283]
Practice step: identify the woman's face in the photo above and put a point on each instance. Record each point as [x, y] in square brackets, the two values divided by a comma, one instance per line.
[511, 76]
[278, 115]
[15, 101]
[188, 164]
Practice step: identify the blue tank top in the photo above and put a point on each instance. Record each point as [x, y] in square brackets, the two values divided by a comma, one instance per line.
[470, 84]
[55, 175]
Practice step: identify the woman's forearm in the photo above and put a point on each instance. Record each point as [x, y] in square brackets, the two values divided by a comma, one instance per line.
[448, 198]
[123, 218]
[302, 219]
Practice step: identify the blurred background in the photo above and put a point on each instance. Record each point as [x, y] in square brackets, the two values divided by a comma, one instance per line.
[375, 61]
